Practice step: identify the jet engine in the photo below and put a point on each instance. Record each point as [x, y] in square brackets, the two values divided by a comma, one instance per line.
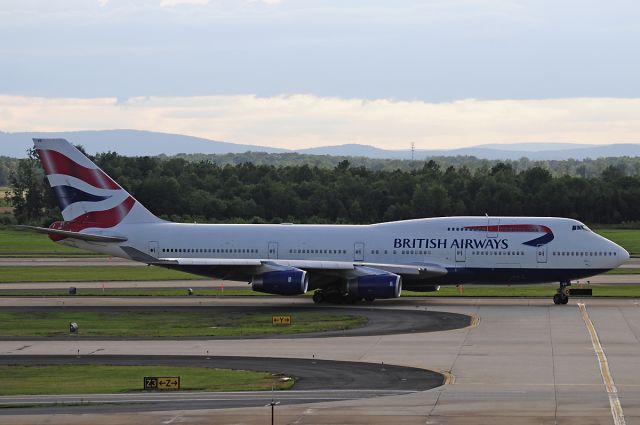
[290, 281]
[371, 286]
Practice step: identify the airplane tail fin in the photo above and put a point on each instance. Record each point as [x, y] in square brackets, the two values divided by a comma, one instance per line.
[87, 196]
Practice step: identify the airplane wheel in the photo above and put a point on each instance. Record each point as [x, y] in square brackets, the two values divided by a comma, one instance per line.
[369, 299]
[556, 299]
[564, 300]
[317, 297]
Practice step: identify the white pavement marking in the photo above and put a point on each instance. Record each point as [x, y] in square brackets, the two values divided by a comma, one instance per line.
[612, 391]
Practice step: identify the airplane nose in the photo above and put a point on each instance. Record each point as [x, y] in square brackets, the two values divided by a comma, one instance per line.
[624, 255]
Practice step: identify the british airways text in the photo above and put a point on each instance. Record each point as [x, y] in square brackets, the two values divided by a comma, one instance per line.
[414, 243]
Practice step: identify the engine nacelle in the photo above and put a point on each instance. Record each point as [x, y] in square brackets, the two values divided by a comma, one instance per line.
[387, 285]
[281, 282]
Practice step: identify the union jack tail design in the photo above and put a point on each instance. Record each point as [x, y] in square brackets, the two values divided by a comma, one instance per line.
[87, 196]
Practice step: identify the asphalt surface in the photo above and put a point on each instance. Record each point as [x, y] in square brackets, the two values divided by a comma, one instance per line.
[380, 322]
[316, 380]
[525, 361]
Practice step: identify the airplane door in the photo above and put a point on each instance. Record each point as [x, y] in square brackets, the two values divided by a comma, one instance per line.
[358, 251]
[461, 255]
[541, 253]
[154, 249]
[492, 227]
[273, 250]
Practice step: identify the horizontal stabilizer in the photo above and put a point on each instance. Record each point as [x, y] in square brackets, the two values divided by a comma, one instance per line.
[75, 235]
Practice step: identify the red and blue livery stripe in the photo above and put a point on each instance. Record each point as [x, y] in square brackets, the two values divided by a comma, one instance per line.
[519, 228]
[100, 219]
[56, 163]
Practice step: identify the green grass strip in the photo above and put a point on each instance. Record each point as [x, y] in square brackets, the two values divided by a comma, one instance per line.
[135, 292]
[21, 242]
[170, 323]
[103, 379]
[90, 274]
[544, 290]
[622, 271]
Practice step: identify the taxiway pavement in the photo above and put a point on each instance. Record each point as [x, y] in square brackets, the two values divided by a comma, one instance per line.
[315, 380]
[526, 362]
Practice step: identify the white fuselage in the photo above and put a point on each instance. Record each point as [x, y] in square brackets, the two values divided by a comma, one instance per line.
[472, 249]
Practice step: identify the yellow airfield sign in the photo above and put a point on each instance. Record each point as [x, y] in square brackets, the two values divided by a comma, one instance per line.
[162, 383]
[281, 320]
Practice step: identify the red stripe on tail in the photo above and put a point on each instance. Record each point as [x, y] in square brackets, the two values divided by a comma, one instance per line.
[56, 163]
[102, 219]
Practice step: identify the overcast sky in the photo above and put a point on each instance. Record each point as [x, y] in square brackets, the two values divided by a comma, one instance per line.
[299, 73]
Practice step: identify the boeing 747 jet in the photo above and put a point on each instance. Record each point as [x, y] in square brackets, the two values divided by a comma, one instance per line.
[338, 262]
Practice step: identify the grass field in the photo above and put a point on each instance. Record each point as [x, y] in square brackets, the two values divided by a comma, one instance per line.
[545, 290]
[99, 379]
[623, 271]
[24, 243]
[183, 323]
[89, 274]
[135, 292]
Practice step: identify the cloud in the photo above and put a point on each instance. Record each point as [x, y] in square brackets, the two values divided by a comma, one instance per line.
[298, 121]
[271, 2]
[174, 3]
[437, 50]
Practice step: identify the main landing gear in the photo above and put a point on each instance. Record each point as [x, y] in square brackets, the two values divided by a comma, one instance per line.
[562, 297]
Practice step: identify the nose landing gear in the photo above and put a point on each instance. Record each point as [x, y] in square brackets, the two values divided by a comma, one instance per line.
[562, 297]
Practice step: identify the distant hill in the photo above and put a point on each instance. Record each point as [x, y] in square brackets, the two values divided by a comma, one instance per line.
[542, 151]
[136, 142]
[127, 142]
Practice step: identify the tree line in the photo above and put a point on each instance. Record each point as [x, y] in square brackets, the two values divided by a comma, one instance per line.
[629, 166]
[184, 190]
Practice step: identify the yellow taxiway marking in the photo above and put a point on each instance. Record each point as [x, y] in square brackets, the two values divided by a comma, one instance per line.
[475, 321]
[449, 378]
[612, 391]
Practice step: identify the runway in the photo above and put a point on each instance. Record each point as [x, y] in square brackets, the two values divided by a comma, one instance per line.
[524, 361]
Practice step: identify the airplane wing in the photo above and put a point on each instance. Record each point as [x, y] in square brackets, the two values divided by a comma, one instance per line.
[251, 266]
[425, 270]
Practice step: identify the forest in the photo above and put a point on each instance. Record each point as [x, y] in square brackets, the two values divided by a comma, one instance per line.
[200, 190]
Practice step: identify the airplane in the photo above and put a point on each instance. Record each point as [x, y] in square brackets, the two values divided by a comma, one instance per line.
[341, 263]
